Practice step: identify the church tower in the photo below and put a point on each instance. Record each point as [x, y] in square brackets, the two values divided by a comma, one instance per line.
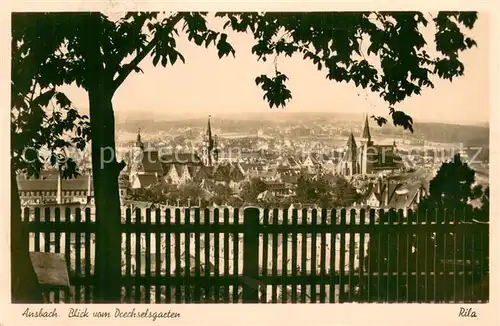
[209, 150]
[366, 141]
[136, 156]
[350, 157]
[138, 143]
[366, 137]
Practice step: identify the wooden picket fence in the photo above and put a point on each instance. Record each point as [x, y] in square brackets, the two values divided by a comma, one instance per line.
[259, 255]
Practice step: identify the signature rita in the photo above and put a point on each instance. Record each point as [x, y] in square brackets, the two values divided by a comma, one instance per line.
[467, 312]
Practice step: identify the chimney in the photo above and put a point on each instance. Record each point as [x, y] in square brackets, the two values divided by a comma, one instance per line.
[59, 188]
[386, 197]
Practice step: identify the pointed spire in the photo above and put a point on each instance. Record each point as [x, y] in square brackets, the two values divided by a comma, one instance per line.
[138, 142]
[209, 134]
[351, 143]
[351, 148]
[366, 129]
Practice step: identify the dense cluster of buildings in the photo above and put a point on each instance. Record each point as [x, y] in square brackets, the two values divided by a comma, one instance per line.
[369, 166]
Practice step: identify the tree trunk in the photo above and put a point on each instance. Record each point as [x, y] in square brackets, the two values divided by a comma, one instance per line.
[105, 168]
[24, 285]
[108, 216]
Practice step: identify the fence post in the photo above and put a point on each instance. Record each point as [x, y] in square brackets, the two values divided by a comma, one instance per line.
[251, 254]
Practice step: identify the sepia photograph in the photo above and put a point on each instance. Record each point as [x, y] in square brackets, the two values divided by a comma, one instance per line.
[250, 157]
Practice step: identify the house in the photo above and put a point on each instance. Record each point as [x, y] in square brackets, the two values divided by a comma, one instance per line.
[280, 189]
[287, 164]
[55, 189]
[227, 172]
[266, 195]
[311, 162]
[396, 195]
[144, 180]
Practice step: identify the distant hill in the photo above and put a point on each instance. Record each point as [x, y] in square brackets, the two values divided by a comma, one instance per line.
[469, 135]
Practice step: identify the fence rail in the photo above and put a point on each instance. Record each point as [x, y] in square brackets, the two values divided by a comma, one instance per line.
[259, 255]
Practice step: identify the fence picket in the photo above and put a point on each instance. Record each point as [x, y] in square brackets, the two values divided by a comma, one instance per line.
[37, 234]
[157, 271]
[333, 240]
[473, 267]
[235, 259]
[351, 291]
[237, 288]
[177, 253]
[455, 235]
[381, 219]
[57, 246]
[303, 267]
[342, 258]
[128, 254]
[78, 252]
[265, 251]
[408, 250]
[284, 259]
[197, 251]
[88, 260]
[187, 258]
[434, 258]
[314, 221]
[168, 255]
[216, 257]
[147, 269]
[226, 256]
[138, 260]
[369, 292]
[361, 258]
[427, 256]
[322, 290]
[274, 221]
[46, 244]
[206, 240]
[418, 265]
[68, 295]
[399, 220]
[444, 274]
[464, 258]
[388, 289]
[47, 233]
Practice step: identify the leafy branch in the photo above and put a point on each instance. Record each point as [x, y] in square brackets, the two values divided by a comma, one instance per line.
[134, 63]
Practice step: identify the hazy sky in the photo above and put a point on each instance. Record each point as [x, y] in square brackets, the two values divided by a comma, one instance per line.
[208, 85]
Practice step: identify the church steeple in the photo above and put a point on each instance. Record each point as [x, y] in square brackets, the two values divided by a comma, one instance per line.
[209, 135]
[351, 149]
[366, 131]
[138, 142]
[209, 146]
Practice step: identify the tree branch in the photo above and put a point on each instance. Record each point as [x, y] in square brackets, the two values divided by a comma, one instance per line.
[121, 165]
[127, 69]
